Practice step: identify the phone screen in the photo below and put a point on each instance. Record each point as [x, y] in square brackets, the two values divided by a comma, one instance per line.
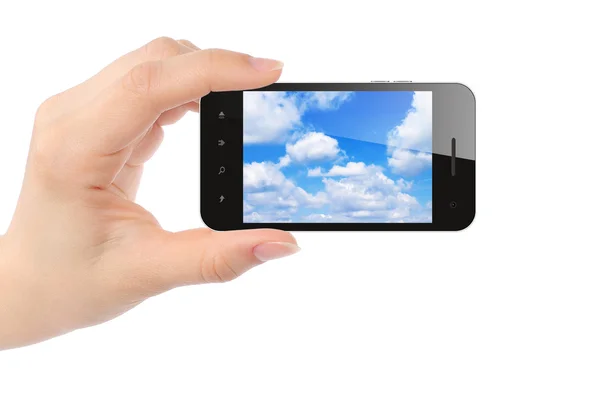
[349, 157]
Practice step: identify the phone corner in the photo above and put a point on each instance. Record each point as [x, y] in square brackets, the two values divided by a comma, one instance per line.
[469, 222]
[466, 91]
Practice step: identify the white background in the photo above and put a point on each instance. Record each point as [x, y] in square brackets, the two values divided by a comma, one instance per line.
[508, 309]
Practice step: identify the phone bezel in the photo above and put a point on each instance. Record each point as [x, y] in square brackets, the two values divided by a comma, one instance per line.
[453, 117]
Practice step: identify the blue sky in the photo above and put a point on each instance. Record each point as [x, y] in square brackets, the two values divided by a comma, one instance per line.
[337, 156]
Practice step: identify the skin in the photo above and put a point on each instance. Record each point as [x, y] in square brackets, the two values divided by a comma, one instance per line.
[79, 251]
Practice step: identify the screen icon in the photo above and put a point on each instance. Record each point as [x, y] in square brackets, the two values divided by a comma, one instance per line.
[221, 142]
[221, 170]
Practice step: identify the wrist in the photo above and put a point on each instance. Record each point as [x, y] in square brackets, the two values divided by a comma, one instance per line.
[5, 323]
[9, 324]
[24, 315]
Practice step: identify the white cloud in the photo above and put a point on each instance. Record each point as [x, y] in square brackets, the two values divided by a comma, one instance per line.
[353, 192]
[315, 172]
[327, 100]
[263, 176]
[313, 146]
[284, 161]
[278, 198]
[266, 187]
[278, 216]
[408, 162]
[361, 214]
[409, 144]
[254, 217]
[358, 174]
[415, 130]
[371, 196]
[350, 169]
[403, 185]
[309, 200]
[272, 117]
[419, 217]
[318, 218]
[269, 116]
[265, 184]
[351, 195]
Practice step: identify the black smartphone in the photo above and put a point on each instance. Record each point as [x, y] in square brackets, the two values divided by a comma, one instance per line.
[339, 156]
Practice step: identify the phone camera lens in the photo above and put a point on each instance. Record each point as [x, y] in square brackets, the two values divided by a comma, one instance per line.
[453, 204]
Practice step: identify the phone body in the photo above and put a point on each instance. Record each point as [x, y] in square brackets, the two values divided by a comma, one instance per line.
[339, 157]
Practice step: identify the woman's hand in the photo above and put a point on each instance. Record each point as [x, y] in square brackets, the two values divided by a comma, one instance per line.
[79, 250]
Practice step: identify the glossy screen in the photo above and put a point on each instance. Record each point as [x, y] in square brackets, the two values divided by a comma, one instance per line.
[345, 157]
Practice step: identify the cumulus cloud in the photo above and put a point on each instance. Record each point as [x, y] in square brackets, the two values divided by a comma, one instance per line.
[254, 217]
[350, 169]
[313, 146]
[271, 117]
[353, 192]
[370, 195]
[420, 217]
[349, 192]
[265, 186]
[279, 198]
[284, 161]
[350, 195]
[318, 218]
[279, 192]
[404, 185]
[315, 172]
[409, 144]
[308, 200]
[263, 176]
[278, 216]
[409, 162]
[414, 132]
[326, 100]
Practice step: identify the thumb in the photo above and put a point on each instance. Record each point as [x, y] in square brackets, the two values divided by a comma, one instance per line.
[205, 256]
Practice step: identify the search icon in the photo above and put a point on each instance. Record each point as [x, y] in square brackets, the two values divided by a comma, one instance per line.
[221, 170]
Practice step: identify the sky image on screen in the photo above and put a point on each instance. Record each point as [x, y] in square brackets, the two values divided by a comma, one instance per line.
[337, 157]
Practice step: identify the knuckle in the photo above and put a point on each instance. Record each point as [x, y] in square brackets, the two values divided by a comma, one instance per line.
[46, 108]
[211, 55]
[143, 78]
[162, 47]
[44, 153]
[208, 65]
[189, 44]
[217, 270]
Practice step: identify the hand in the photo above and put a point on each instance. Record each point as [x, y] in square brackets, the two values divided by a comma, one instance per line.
[79, 251]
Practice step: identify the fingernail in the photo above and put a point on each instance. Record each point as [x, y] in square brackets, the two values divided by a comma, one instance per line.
[265, 64]
[273, 250]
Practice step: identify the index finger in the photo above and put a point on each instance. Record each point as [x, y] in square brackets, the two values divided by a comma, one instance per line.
[126, 109]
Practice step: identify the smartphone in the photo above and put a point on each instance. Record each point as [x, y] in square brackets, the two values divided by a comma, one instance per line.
[339, 156]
